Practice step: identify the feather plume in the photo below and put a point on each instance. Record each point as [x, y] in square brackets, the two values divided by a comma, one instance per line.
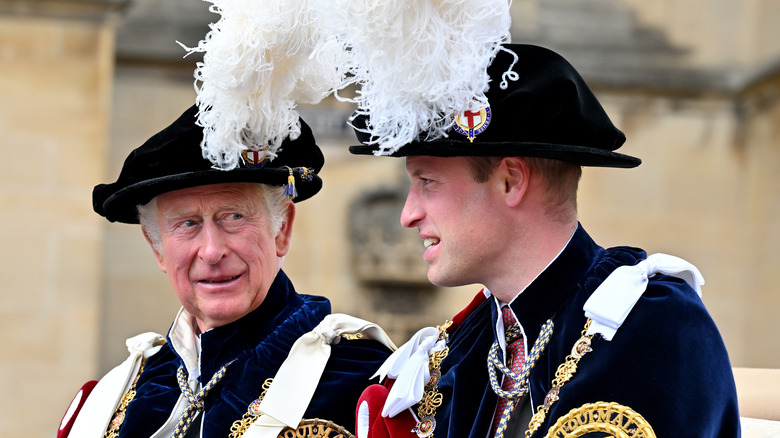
[417, 62]
[261, 59]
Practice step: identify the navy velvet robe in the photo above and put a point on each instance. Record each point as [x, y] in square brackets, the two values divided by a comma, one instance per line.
[667, 361]
[256, 345]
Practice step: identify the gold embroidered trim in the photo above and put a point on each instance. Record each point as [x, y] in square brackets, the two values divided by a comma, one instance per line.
[238, 427]
[563, 374]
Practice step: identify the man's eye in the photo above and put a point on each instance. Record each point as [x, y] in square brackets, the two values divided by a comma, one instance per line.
[188, 223]
[235, 216]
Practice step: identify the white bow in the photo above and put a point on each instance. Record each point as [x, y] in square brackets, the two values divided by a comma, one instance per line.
[612, 301]
[293, 386]
[99, 408]
[409, 366]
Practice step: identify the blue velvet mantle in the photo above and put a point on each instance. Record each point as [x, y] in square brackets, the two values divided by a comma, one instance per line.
[667, 361]
[256, 345]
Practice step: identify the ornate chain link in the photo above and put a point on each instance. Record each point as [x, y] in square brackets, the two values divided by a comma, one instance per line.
[432, 398]
[563, 374]
[238, 427]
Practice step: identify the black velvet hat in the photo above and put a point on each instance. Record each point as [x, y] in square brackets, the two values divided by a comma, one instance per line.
[172, 159]
[547, 112]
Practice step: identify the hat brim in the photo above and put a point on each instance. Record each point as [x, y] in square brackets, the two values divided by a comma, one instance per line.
[584, 156]
[121, 206]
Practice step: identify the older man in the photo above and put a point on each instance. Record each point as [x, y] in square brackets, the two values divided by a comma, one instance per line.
[568, 338]
[239, 359]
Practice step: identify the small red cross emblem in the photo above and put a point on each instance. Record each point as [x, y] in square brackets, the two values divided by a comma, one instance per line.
[254, 158]
[472, 118]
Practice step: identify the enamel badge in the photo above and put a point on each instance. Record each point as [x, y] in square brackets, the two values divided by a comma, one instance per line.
[255, 158]
[473, 121]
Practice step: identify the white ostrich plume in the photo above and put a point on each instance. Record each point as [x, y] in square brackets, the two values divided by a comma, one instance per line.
[260, 60]
[418, 62]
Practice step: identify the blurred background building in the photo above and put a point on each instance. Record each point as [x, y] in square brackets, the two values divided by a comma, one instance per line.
[694, 84]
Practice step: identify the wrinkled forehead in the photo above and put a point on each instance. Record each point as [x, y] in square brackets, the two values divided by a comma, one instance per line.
[243, 196]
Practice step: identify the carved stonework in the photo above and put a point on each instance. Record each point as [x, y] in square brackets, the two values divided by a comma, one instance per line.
[383, 252]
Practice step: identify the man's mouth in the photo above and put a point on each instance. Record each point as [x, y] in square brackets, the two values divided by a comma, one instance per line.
[219, 280]
[429, 242]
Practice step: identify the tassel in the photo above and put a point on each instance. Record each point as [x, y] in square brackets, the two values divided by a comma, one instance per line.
[289, 189]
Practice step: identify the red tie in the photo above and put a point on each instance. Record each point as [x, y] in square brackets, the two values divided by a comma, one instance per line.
[515, 351]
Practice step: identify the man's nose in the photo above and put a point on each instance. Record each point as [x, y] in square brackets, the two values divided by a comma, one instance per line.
[412, 212]
[213, 247]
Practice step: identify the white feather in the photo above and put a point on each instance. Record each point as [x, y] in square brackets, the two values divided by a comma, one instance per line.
[259, 63]
[415, 62]
[418, 62]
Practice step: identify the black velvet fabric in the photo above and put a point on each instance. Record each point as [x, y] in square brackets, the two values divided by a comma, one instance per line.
[172, 159]
[667, 361]
[549, 112]
[255, 347]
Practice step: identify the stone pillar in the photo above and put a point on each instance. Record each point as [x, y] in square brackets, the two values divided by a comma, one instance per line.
[56, 69]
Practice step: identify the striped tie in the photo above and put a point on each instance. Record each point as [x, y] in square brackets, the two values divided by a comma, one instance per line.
[195, 400]
[515, 351]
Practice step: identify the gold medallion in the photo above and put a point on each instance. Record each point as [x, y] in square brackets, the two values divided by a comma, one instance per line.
[316, 428]
[601, 417]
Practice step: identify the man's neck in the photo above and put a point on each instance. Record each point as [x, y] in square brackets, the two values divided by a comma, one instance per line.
[533, 255]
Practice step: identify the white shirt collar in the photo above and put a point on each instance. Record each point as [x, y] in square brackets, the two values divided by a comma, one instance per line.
[186, 342]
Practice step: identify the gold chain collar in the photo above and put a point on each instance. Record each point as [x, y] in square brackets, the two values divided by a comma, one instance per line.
[119, 415]
[238, 427]
[432, 398]
[563, 374]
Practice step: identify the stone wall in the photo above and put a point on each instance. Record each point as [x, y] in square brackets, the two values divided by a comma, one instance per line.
[56, 76]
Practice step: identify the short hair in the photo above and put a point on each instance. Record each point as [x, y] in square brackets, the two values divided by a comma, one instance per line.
[561, 178]
[274, 199]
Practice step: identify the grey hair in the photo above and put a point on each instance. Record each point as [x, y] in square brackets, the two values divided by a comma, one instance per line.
[147, 217]
[274, 200]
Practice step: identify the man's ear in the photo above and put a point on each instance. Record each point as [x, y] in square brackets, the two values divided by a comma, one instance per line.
[284, 237]
[157, 253]
[515, 173]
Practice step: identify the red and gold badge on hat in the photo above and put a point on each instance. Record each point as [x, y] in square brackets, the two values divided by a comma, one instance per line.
[473, 121]
[255, 157]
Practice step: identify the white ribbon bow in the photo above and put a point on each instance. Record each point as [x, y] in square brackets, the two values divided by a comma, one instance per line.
[286, 400]
[612, 301]
[99, 408]
[409, 366]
